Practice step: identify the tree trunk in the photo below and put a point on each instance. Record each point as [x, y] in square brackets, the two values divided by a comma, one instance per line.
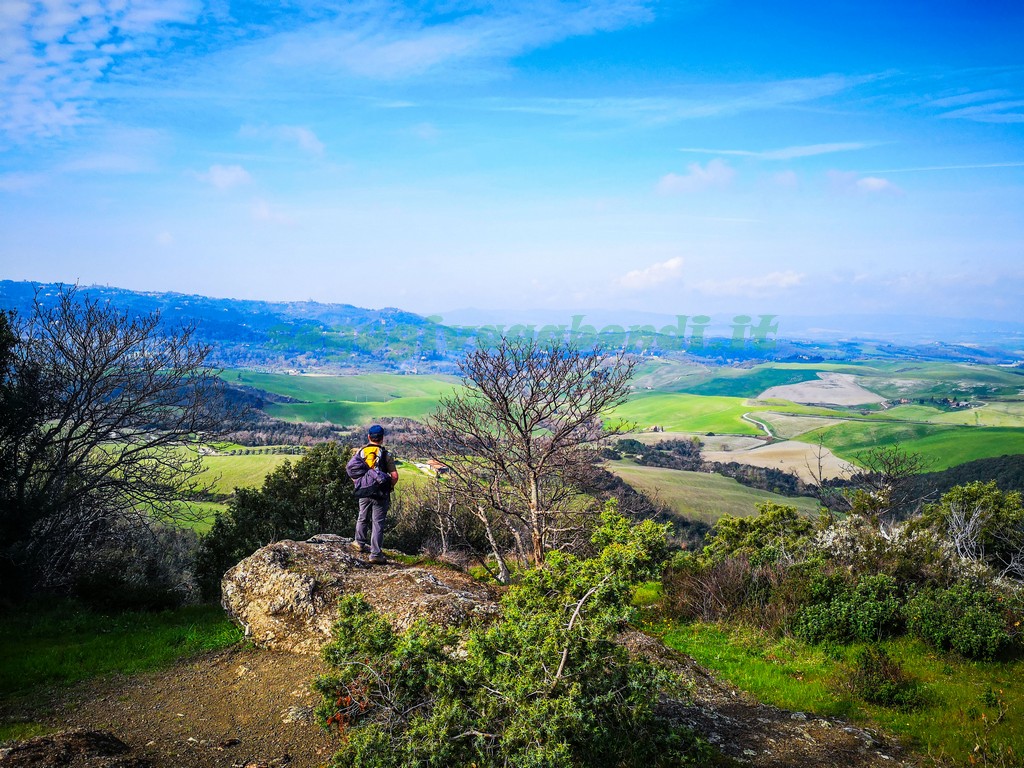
[503, 572]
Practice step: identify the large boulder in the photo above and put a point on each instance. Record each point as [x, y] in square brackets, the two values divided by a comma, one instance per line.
[285, 594]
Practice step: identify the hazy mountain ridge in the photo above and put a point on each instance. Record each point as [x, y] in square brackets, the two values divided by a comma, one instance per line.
[343, 337]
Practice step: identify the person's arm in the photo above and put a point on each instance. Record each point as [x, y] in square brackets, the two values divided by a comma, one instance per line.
[392, 469]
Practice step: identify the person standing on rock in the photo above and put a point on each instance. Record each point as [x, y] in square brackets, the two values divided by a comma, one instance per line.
[373, 470]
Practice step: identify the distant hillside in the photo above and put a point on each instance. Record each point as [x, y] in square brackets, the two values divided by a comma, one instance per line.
[342, 338]
[278, 335]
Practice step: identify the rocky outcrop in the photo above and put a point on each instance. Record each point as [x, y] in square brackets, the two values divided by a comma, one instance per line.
[284, 594]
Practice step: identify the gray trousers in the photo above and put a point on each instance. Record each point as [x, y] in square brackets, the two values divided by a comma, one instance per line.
[375, 512]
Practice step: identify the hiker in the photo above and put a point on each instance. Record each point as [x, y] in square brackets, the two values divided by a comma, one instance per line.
[375, 475]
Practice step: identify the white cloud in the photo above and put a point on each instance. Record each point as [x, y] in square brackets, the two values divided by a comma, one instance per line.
[715, 174]
[164, 239]
[757, 285]
[876, 184]
[382, 40]
[1004, 111]
[848, 181]
[299, 135]
[263, 211]
[701, 102]
[652, 276]
[225, 176]
[786, 153]
[53, 52]
[787, 179]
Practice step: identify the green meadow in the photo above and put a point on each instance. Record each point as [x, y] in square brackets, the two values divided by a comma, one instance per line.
[944, 445]
[687, 413]
[348, 400]
[240, 471]
[701, 495]
[363, 387]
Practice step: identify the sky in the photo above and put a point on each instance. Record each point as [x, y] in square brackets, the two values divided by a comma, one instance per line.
[673, 157]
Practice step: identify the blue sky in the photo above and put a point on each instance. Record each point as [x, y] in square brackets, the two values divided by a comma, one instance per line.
[704, 157]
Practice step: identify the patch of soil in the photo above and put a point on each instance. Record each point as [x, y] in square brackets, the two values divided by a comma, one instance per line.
[239, 708]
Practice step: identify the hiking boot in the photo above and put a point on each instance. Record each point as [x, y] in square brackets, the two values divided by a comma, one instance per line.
[378, 560]
[360, 548]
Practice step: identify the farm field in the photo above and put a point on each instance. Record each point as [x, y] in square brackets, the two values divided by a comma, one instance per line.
[365, 387]
[687, 413]
[699, 495]
[798, 458]
[230, 472]
[1008, 413]
[689, 398]
[348, 400]
[945, 445]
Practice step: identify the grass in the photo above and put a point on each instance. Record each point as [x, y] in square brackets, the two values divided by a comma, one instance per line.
[944, 445]
[993, 414]
[351, 413]
[687, 413]
[232, 472]
[64, 643]
[734, 382]
[348, 400]
[699, 495]
[373, 387]
[963, 698]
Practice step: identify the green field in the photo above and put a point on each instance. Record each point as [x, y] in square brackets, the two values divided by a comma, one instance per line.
[348, 413]
[994, 414]
[700, 495]
[944, 445]
[752, 382]
[958, 380]
[365, 387]
[687, 413]
[230, 472]
[348, 400]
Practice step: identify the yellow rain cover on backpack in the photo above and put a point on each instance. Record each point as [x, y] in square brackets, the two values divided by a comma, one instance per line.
[371, 454]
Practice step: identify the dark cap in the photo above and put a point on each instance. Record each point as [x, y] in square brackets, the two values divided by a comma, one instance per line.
[376, 432]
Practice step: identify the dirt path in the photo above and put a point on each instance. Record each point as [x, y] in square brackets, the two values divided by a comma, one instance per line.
[752, 733]
[246, 708]
[231, 709]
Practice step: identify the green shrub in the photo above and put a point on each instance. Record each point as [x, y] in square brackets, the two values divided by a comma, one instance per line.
[868, 610]
[544, 685]
[776, 531]
[879, 679]
[296, 501]
[965, 618]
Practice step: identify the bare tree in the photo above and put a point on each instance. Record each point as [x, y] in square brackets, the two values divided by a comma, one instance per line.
[886, 488]
[517, 438]
[119, 405]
